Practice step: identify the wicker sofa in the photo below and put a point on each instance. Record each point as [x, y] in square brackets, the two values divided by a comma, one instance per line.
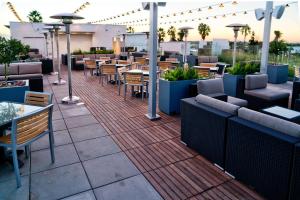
[263, 152]
[31, 71]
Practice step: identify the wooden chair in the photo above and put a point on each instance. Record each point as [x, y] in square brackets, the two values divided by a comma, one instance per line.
[203, 72]
[141, 61]
[172, 59]
[90, 65]
[123, 62]
[27, 129]
[107, 70]
[135, 79]
[38, 98]
[164, 66]
[121, 72]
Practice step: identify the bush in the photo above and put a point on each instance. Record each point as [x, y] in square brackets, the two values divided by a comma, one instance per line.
[79, 52]
[179, 73]
[244, 68]
[291, 72]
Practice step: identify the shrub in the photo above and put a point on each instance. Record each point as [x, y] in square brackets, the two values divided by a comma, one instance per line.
[179, 73]
[244, 68]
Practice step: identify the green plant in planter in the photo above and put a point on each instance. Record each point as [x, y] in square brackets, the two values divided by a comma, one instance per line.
[11, 50]
[278, 46]
[244, 68]
[179, 73]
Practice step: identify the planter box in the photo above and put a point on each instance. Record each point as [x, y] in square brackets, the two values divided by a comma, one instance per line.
[14, 93]
[278, 73]
[234, 85]
[170, 94]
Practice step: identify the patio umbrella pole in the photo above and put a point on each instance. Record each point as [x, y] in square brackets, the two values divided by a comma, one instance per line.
[59, 80]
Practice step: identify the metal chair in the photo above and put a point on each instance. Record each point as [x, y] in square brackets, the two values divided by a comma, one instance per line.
[220, 71]
[164, 66]
[141, 61]
[121, 72]
[27, 129]
[38, 98]
[123, 62]
[90, 65]
[135, 79]
[108, 70]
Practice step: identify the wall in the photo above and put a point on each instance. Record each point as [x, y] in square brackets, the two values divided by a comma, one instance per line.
[175, 46]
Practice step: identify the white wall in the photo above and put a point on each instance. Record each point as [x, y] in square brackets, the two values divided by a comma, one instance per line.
[137, 40]
[175, 46]
[83, 36]
[218, 45]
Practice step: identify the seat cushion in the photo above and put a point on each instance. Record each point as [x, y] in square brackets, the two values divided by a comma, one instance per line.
[210, 86]
[12, 69]
[217, 104]
[30, 68]
[256, 81]
[268, 94]
[237, 101]
[274, 123]
[25, 76]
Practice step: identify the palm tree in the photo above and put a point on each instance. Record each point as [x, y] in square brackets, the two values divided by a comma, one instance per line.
[161, 35]
[130, 29]
[246, 30]
[203, 30]
[180, 35]
[172, 33]
[278, 35]
[35, 16]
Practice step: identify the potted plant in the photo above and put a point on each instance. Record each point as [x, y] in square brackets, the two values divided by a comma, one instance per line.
[234, 79]
[277, 73]
[173, 86]
[10, 50]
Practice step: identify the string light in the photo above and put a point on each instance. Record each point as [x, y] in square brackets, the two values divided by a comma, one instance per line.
[234, 3]
[221, 5]
[209, 8]
[83, 6]
[13, 10]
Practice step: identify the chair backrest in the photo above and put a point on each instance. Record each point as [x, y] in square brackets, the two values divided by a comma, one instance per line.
[172, 59]
[210, 86]
[207, 64]
[141, 60]
[123, 62]
[121, 72]
[221, 69]
[108, 69]
[258, 81]
[90, 63]
[38, 98]
[104, 58]
[164, 65]
[297, 71]
[203, 72]
[134, 78]
[28, 127]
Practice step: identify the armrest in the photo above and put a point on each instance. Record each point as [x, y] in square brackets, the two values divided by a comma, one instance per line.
[219, 96]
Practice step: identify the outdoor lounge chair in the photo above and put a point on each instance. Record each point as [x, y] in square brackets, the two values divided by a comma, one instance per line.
[38, 98]
[89, 65]
[135, 79]
[259, 96]
[27, 129]
[215, 88]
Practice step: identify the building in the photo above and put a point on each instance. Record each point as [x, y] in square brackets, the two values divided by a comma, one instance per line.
[83, 36]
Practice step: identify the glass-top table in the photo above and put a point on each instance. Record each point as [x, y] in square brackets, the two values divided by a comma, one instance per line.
[10, 110]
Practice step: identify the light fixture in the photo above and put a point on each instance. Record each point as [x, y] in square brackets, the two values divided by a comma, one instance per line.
[199, 10]
[209, 8]
[190, 11]
[221, 5]
[277, 12]
[67, 21]
[234, 3]
[245, 13]
[233, 14]
[224, 15]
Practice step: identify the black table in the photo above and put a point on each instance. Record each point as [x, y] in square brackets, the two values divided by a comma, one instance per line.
[283, 113]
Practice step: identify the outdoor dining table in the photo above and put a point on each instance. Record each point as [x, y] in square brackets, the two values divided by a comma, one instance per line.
[211, 69]
[9, 111]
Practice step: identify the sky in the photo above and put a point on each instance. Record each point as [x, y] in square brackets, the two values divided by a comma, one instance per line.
[289, 24]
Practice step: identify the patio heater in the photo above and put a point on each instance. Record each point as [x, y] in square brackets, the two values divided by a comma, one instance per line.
[260, 14]
[46, 42]
[152, 6]
[67, 21]
[56, 27]
[51, 31]
[236, 27]
[185, 29]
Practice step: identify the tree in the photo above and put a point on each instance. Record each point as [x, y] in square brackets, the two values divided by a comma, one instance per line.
[180, 35]
[278, 46]
[253, 43]
[161, 35]
[203, 30]
[278, 35]
[130, 29]
[172, 33]
[35, 16]
[246, 30]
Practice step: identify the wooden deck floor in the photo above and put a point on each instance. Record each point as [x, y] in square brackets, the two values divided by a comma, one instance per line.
[174, 170]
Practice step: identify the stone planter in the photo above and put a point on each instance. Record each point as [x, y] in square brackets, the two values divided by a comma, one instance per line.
[277, 74]
[234, 85]
[170, 94]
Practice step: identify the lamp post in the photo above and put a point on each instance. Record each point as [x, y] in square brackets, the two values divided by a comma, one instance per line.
[236, 27]
[67, 21]
[56, 27]
[185, 29]
[46, 42]
[152, 6]
[51, 31]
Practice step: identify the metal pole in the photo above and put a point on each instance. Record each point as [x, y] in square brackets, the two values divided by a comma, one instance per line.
[266, 39]
[185, 46]
[153, 63]
[52, 50]
[59, 80]
[46, 40]
[234, 48]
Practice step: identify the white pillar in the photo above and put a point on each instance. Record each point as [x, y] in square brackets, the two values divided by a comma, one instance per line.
[266, 37]
[153, 63]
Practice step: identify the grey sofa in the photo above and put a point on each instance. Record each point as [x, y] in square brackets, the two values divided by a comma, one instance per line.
[215, 88]
[260, 96]
[31, 71]
[263, 151]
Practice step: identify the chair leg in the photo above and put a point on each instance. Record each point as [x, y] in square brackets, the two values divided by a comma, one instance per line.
[125, 91]
[51, 142]
[27, 151]
[142, 90]
[16, 167]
